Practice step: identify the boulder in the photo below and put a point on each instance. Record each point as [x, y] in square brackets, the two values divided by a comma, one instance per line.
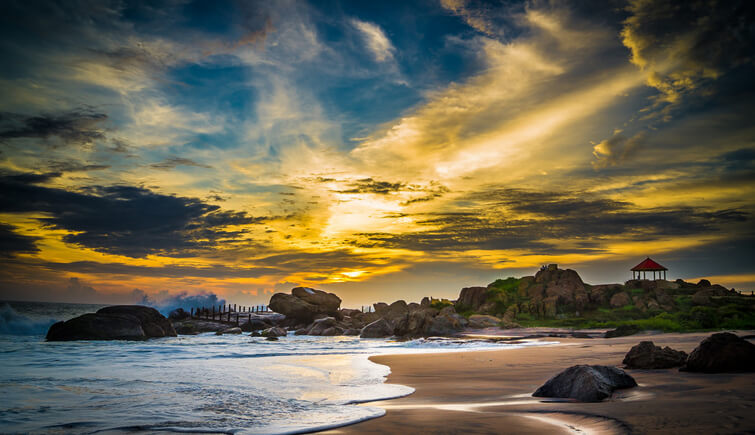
[471, 298]
[586, 383]
[351, 331]
[647, 355]
[304, 304]
[425, 302]
[703, 283]
[720, 353]
[319, 326]
[326, 303]
[479, 321]
[397, 316]
[378, 329]
[419, 321]
[623, 331]
[275, 331]
[446, 323]
[120, 322]
[255, 324]
[620, 299]
[380, 308]
[564, 285]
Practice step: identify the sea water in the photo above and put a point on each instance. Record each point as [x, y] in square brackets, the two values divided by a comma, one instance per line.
[203, 383]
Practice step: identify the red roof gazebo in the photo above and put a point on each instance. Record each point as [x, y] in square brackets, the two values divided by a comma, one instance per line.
[648, 265]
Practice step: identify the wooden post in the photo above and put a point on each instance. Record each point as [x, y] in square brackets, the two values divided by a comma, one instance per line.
[213, 312]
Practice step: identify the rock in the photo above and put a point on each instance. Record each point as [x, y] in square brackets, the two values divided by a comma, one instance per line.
[720, 353]
[479, 321]
[178, 314]
[119, 322]
[304, 304]
[620, 299]
[623, 331]
[380, 308]
[320, 325]
[397, 316]
[186, 329]
[327, 303]
[701, 298]
[446, 323]
[271, 338]
[586, 383]
[351, 331]
[255, 324]
[471, 298]
[275, 331]
[647, 355]
[425, 302]
[549, 306]
[419, 321]
[255, 334]
[378, 329]
[564, 285]
[703, 283]
[333, 330]
[301, 331]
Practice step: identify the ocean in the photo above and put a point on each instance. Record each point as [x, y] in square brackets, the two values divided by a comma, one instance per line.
[200, 384]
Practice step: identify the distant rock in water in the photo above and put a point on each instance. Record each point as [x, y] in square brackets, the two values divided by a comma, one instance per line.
[721, 353]
[586, 383]
[119, 322]
[647, 355]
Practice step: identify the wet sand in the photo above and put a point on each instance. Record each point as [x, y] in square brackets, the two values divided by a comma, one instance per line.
[490, 392]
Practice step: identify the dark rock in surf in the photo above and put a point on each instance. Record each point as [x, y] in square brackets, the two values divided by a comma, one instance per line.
[586, 383]
[119, 322]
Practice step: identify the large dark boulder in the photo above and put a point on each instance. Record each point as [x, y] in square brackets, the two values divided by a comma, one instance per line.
[304, 304]
[647, 355]
[721, 353]
[378, 329]
[586, 383]
[471, 298]
[120, 322]
[326, 303]
[446, 323]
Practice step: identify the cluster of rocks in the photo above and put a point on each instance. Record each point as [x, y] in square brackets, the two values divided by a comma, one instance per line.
[120, 322]
[720, 353]
[315, 312]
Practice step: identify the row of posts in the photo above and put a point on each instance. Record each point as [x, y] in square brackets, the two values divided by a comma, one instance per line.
[224, 312]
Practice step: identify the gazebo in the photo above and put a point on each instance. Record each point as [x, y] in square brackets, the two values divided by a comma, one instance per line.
[648, 265]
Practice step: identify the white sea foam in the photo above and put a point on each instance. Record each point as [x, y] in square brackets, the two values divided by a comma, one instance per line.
[204, 383]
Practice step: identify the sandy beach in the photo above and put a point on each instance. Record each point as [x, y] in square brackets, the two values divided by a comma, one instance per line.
[490, 392]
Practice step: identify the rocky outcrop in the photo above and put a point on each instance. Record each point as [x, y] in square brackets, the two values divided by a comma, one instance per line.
[471, 298]
[586, 383]
[480, 321]
[304, 304]
[721, 353]
[446, 323]
[178, 314]
[378, 329]
[647, 355]
[120, 322]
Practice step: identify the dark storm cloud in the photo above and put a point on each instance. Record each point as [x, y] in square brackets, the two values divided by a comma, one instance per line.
[172, 162]
[497, 222]
[368, 185]
[73, 166]
[75, 127]
[124, 220]
[13, 243]
[169, 271]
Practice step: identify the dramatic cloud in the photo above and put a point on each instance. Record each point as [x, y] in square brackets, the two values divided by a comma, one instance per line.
[79, 127]
[124, 220]
[172, 162]
[12, 243]
[682, 44]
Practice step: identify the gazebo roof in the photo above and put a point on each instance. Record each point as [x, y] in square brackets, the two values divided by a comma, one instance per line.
[648, 264]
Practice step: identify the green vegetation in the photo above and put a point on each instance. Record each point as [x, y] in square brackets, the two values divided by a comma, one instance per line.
[439, 304]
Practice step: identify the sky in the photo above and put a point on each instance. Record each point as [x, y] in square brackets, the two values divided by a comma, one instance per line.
[378, 150]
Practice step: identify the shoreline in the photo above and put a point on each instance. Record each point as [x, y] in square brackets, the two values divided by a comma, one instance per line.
[486, 391]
